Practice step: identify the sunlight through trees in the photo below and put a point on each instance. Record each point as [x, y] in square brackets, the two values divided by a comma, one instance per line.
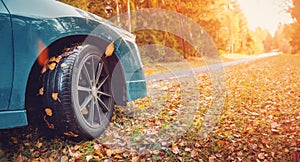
[223, 20]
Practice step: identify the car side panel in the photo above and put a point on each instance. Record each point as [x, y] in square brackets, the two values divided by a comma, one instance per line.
[8, 119]
[6, 58]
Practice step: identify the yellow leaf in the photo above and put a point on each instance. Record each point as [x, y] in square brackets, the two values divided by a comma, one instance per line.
[109, 49]
[118, 156]
[52, 66]
[48, 111]
[149, 72]
[273, 154]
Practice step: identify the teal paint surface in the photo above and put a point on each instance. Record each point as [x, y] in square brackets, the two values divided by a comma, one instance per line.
[6, 57]
[11, 119]
[34, 22]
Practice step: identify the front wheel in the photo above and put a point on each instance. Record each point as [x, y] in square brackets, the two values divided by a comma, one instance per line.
[77, 92]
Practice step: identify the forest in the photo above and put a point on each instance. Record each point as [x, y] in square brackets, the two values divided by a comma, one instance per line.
[223, 20]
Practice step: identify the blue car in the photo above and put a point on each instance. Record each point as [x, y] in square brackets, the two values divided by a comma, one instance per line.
[64, 68]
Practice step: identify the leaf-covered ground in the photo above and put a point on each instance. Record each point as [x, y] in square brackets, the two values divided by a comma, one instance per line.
[259, 121]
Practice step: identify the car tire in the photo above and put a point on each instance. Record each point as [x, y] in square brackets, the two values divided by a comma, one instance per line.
[77, 97]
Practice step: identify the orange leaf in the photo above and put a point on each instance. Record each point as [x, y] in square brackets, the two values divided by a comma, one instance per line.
[52, 59]
[118, 156]
[57, 59]
[109, 49]
[54, 96]
[51, 126]
[48, 111]
[70, 134]
[98, 153]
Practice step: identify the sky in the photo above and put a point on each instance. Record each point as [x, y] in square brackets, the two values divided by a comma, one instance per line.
[263, 13]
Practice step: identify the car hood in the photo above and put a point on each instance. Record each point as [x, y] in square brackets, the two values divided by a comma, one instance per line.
[51, 9]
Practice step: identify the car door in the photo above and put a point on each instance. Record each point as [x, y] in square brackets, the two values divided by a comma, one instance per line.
[6, 57]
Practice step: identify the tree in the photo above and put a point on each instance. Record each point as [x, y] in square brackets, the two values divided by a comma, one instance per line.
[223, 20]
[280, 41]
[268, 41]
[292, 31]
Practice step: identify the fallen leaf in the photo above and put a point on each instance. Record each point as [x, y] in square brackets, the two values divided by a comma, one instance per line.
[118, 156]
[109, 152]
[88, 157]
[71, 134]
[84, 111]
[274, 125]
[41, 91]
[187, 149]
[98, 153]
[135, 159]
[63, 65]
[193, 153]
[39, 144]
[240, 153]
[52, 59]
[64, 159]
[211, 159]
[58, 58]
[275, 130]
[48, 111]
[149, 72]
[44, 69]
[109, 49]
[55, 96]
[51, 126]
[175, 149]
[14, 140]
[261, 156]
[52, 66]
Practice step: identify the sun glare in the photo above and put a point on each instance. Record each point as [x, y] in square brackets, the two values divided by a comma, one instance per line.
[264, 13]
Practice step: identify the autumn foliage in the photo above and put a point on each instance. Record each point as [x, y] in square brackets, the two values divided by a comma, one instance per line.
[223, 20]
[259, 122]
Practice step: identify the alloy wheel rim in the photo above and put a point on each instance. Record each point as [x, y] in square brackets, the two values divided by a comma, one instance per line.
[93, 92]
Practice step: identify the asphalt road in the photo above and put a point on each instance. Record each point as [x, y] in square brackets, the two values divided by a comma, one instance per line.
[209, 68]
